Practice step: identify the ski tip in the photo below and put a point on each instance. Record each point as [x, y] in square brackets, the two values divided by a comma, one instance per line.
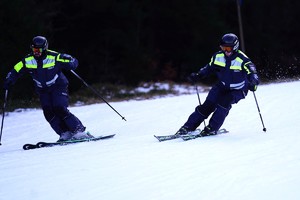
[223, 130]
[29, 146]
[157, 138]
[112, 135]
[106, 136]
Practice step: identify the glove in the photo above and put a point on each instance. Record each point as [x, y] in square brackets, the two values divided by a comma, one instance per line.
[193, 78]
[253, 79]
[66, 56]
[252, 88]
[253, 82]
[75, 63]
[8, 81]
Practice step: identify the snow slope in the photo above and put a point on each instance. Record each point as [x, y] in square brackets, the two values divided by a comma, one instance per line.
[244, 164]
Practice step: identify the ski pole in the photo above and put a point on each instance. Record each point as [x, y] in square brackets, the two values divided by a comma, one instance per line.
[3, 113]
[95, 91]
[199, 101]
[261, 119]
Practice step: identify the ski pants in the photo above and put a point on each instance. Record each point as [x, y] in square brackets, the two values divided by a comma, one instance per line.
[219, 102]
[55, 104]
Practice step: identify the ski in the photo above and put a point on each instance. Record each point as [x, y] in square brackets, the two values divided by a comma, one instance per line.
[51, 144]
[194, 136]
[163, 138]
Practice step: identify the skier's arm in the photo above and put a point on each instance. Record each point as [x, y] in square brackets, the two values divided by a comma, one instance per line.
[202, 73]
[252, 76]
[13, 75]
[67, 61]
[205, 71]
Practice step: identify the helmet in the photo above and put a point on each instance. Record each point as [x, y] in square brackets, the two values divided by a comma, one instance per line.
[230, 40]
[39, 45]
[39, 42]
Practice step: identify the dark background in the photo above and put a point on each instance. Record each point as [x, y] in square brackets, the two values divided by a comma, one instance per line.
[130, 41]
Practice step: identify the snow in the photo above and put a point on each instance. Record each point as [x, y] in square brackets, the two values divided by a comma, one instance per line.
[246, 163]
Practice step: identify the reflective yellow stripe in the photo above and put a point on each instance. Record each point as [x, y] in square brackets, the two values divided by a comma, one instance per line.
[236, 68]
[236, 64]
[246, 68]
[239, 59]
[61, 59]
[220, 60]
[211, 61]
[52, 51]
[30, 62]
[49, 61]
[18, 66]
[243, 53]
[245, 65]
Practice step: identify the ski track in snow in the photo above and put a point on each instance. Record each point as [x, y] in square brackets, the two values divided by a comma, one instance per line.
[246, 163]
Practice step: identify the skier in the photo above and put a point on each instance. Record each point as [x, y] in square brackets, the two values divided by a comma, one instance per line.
[45, 67]
[236, 75]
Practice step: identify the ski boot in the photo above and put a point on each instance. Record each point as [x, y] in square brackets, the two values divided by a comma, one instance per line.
[207, 131]
[65, 136]
[182, 131]
[82, 135]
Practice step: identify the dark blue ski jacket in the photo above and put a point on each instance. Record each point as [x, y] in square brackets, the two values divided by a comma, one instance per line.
[46, 72]
[234, 72]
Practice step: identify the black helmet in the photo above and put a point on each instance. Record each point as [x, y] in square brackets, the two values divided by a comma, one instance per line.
[230, 40]
[39, 45]
[39, 42]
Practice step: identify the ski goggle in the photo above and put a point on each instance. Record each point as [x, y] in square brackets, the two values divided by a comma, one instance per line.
[37, 50]
[225, 48]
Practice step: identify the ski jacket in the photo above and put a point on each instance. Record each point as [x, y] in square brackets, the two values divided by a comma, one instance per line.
[46, 72]
[233, 72]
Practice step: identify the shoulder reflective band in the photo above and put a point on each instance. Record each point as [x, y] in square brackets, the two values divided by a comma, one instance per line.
[61, 59]
[30, 62]
[220, 60]
[236, 64]
[18, 66]
[49, 61]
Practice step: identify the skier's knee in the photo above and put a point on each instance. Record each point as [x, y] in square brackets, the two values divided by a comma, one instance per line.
[48, 113]
[224, 107]
[61, 111]
[206, 108]
[223, 110]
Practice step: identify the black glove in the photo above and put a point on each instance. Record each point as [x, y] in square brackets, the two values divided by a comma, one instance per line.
[253, 82]
[252, 88]
[75, 63]
[8, 81]
[193, 78]
[72, 60]
[66, 56]
[253, 79]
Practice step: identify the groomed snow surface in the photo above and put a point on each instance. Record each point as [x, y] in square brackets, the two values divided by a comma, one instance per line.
[245, 164]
